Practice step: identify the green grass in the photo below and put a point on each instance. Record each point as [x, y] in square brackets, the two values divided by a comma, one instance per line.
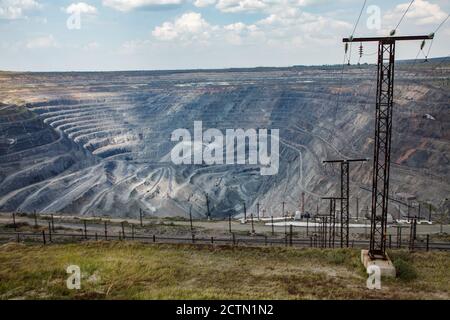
[405, 271]
[121, 270]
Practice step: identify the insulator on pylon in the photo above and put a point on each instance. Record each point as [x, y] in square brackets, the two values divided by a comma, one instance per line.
[361, 49]
[346, 47]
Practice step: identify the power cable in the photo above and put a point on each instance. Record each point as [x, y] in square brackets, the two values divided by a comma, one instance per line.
[401, 19]
[435, 31]
[354, 29]
[345, 58]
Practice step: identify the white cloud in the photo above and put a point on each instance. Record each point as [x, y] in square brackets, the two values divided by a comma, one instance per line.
[290, 27]
[304, 3]
[243, 5]
[165, 32]
[238, 26]
[128, 5]
[267, 6]
[188, 27]
[42, 42]
[16, 9]
[421, 13]
[203, 3]
[295, 27]
[240, 33]
[81, 7]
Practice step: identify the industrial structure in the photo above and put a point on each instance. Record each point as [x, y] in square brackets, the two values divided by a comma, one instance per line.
[345, 198]
[383, 137]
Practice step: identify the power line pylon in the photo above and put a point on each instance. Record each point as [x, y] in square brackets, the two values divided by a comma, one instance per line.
[332, 220]
[345, 196]
[383, 133]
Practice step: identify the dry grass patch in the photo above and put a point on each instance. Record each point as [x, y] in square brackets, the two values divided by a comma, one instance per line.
[121, 270]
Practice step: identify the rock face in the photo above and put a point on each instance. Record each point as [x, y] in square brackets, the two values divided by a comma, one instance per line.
[99, 143]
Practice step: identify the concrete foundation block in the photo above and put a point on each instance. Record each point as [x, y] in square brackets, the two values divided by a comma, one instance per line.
[386, 267]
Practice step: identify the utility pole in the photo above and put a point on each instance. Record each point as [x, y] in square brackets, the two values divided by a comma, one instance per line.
[290, 235]
[315, 218]
[257, 210]
[357, 208]
[323, 236]
[208, 213]
[245, 213]
[190, 218]
[418, 214]
[325, 227]
[399, 236]
[332, 221]
[253, 227]
[303, 204]
[273, 230]
[382, 141]
[408, 210]
[53, 223]
[345, 197]
[365, 225]
[85, 229]
[307, 226]
[429, 212]
[285, 220]
[412, 233]
[50, 231]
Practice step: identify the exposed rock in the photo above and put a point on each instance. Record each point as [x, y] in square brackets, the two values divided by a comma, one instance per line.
[99, 143]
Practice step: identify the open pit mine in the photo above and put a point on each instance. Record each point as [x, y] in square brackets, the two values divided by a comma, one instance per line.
[100, 143]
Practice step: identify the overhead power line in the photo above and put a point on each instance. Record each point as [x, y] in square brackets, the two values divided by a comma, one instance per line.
[359, 17]
[346, 51]
[401, 19]
[354, 29]
[435, 31]
[441, 24]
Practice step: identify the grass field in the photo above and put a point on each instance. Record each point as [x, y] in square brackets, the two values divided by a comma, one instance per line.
[121, 270]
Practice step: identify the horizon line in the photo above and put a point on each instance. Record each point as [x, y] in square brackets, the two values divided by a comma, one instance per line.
[205, 69]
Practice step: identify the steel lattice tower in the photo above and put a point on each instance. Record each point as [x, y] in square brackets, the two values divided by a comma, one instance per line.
[332, 221]
[382, 147]
[382, 141]
[345, 199]
[345, 203]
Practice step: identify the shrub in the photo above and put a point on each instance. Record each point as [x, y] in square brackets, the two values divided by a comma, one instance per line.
[336, 256]
[405, 271]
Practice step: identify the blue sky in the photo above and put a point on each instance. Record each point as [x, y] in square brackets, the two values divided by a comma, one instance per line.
[185, 34]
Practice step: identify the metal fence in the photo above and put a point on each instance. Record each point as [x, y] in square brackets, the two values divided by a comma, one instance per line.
[46, 238]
